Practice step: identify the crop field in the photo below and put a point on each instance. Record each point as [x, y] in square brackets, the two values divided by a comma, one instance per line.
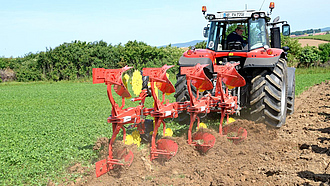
[306, 78]
[47, 126]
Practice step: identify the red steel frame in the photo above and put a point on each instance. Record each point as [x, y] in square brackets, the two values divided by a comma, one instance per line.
[228, 104]
[167, 148]
[119, 116]
[195, 76]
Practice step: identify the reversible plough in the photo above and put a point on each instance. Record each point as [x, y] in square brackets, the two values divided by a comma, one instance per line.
[222, 101]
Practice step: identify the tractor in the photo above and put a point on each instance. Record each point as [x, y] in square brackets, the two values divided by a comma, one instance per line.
[227, 77]
[269, 93]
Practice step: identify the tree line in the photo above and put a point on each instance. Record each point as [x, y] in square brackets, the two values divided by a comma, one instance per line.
[309, 31]
[75, 60]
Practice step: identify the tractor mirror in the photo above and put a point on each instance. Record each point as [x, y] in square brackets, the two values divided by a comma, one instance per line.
[286, 48]
[286, 29]
[206, 31]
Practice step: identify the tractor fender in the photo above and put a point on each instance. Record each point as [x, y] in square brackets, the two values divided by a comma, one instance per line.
[291, 79]
[261, 62]
[188, 62]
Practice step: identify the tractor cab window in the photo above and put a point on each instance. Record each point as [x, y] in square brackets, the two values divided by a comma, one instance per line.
[258, 36]
[236, 36]
[215, 36]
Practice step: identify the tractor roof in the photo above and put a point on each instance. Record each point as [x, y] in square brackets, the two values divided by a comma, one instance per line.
[236, 16]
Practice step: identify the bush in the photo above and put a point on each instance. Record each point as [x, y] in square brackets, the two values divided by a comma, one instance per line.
[6, 63]
[309, 56]
[324, 52]
[294, 51]
[201, 45]
[28, 71]
[74, 60]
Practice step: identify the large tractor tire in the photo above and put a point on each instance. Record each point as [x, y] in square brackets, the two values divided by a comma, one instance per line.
[145, 81]
[182, 95]
[291, 90]
[268, 95]
[181, 89]
[149, 127]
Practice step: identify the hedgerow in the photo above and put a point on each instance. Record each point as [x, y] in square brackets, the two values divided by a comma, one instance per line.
[75, 60]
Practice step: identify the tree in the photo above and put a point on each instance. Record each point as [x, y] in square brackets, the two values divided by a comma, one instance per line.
[75, 60]
[294, 51]
[324, 52]
[309, 56]
[201, 45]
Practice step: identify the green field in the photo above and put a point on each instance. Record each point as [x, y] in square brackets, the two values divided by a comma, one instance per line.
[46, 126]
[320, 37]
[306, 78]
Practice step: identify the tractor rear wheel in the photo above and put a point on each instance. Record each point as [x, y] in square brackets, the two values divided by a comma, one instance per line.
[181, 89]
[182, 95]
[149, 127]
[268, 95]
[291, 90]
[291, 103]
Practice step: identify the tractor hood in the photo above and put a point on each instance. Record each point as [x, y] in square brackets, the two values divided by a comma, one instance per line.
[260, 57]
[199, 53]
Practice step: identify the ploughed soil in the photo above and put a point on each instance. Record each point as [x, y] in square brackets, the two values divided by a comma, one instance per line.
[296, 154]
[311, 42]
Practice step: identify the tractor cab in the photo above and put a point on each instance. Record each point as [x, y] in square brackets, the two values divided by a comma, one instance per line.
[250, 25]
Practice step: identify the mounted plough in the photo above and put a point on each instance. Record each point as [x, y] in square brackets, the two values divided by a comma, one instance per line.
[221, 102]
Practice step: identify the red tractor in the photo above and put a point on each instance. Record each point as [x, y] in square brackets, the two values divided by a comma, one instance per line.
[269, 93]
[226, 77]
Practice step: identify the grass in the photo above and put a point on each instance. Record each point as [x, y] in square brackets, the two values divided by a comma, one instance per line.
[308, 77]
[319, 37]
[47, 126]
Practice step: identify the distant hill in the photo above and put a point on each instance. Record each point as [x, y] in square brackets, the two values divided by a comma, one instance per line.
[325, 29]
[187, 44]
[310, 31]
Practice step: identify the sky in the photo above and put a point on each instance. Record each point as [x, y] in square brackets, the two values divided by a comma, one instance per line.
[32, 26]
